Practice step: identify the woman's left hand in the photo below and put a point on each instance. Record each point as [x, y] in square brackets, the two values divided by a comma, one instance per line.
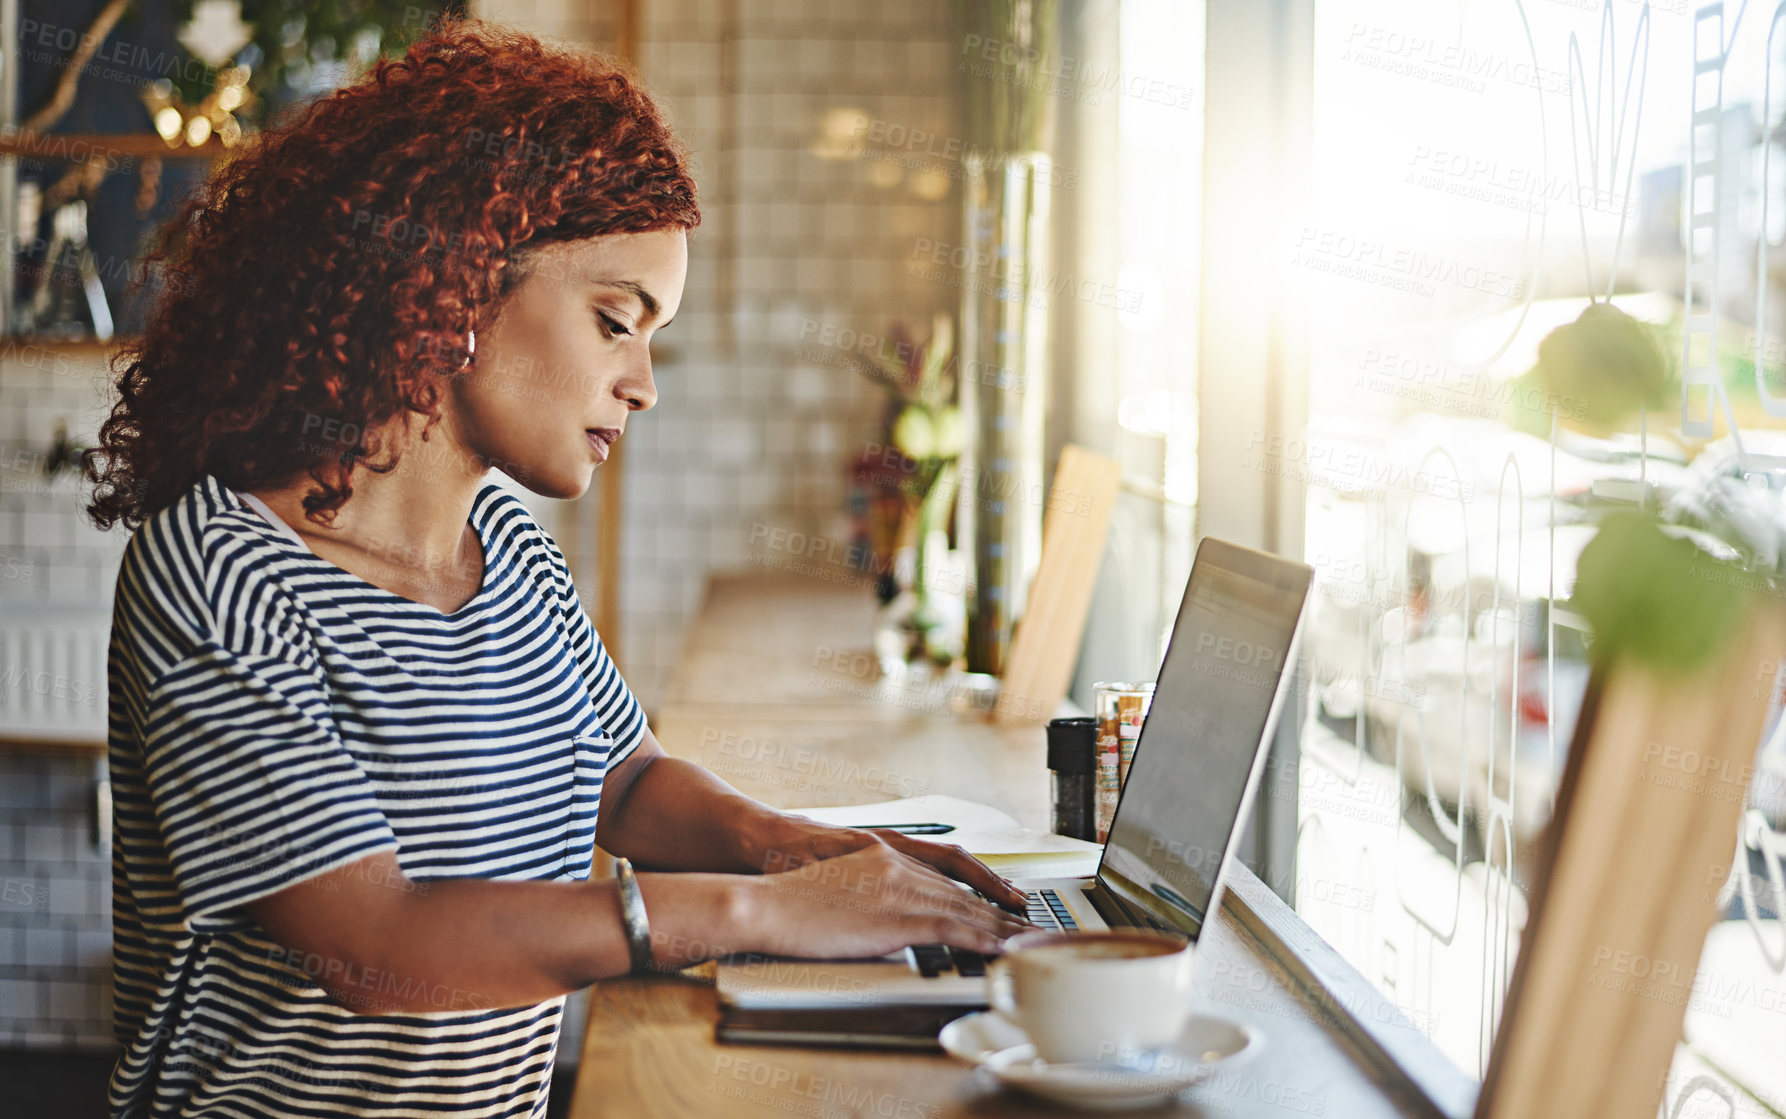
[803, 841]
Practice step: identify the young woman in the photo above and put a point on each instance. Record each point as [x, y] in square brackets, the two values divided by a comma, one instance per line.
[363, 737]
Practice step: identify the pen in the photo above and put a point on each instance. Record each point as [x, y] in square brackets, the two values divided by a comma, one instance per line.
[912, 829]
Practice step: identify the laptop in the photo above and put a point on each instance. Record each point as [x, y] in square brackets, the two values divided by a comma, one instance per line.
[1182, 811]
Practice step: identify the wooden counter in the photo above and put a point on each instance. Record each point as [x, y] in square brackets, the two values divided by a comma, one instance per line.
[760, 698]
[649, 1051]
[777, 691]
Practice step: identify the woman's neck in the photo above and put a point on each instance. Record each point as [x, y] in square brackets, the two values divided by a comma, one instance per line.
[416, 515]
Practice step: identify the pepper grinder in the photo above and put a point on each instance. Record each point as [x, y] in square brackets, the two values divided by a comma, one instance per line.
[1072, 756]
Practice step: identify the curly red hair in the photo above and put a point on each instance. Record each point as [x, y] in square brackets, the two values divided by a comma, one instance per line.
[334, 267]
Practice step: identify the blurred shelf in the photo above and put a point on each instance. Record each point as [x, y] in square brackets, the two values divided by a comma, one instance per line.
[18, 345]
[85, 147]
[27, 743]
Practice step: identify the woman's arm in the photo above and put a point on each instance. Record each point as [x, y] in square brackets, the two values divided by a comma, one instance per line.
[379, 943]
[670, 813]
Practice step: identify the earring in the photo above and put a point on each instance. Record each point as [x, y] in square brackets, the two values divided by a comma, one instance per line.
[471, 347]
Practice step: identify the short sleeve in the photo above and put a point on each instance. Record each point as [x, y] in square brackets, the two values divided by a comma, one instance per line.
[620, 712]
[251, 786]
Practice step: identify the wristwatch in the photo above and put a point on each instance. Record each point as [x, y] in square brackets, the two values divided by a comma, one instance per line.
[632, 915]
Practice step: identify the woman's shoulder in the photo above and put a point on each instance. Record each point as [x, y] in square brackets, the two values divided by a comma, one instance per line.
[200, 571]
[511, 526]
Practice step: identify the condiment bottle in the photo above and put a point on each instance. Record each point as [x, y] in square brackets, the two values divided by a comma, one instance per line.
[1072, 746]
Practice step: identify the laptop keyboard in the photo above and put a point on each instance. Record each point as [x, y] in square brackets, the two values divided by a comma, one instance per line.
[932, 960]
[1047, 910]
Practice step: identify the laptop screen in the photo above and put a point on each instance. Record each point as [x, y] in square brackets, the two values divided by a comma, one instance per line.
[1186, 796]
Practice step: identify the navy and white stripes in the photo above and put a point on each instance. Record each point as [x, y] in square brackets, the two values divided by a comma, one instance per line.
[272, 717]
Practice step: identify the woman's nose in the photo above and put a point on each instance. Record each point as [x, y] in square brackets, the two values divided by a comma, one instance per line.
[636, 387]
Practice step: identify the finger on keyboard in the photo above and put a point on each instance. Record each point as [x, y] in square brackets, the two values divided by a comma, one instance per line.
[932, 959]
[968, 963]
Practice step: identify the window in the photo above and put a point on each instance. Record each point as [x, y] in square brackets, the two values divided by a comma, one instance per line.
[1136, 398]
[1481, 174]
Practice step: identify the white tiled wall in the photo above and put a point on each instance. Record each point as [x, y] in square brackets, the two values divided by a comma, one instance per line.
[573, 21]
[55, 879]
[48, 552]
[755, 424]
[55, 905]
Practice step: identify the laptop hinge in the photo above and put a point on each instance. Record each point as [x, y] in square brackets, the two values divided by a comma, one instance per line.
[1112, 910]
[1118, 913]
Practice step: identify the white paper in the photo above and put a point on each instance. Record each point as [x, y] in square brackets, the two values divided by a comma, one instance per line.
[1065, 864]
[980, 828]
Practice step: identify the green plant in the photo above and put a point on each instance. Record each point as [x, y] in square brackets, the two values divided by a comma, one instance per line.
[926, 428]
[1606, 364]
[920, 383]
[1667, 585]
[1657, 596]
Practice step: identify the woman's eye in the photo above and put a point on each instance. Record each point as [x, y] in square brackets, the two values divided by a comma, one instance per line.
[611, 326]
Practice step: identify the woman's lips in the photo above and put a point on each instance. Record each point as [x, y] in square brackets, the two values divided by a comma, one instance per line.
[602, 438]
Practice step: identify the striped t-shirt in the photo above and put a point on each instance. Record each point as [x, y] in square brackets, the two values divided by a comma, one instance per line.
[273, 716]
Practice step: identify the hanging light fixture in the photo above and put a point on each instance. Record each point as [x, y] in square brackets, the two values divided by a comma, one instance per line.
[183, 125]
[214, 35]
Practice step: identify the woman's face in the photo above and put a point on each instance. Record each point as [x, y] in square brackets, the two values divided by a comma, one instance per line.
[555, 380]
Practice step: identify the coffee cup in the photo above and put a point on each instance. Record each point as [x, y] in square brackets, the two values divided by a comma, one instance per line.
[1094, 996]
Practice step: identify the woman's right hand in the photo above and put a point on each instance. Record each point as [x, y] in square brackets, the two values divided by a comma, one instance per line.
[870, 902]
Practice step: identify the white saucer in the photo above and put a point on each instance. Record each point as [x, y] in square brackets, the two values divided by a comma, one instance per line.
[976, 1037]
[1000, 1046]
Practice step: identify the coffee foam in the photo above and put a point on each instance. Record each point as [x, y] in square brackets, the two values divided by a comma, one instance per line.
[1095, 946]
